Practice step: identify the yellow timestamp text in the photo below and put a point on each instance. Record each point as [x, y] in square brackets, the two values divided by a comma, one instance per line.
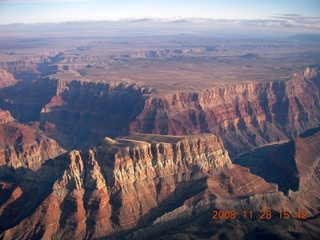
[262, 214]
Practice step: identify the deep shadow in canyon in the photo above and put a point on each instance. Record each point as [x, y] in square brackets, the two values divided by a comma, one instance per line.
[78, 114]
[26, 99]
[128, 159]
[276, 164]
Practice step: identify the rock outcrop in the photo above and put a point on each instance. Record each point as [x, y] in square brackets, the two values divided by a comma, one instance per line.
[120, 186]
[90, 111]
[26, 68]
[23, 146]
[6, 79]
[145, 186]
[84, 111]
[148, 185]
[153, 182]
[306, 162]
[301, 204]
[26, 99]
[244, 115]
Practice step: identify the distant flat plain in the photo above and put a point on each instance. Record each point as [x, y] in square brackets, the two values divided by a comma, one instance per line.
[182, 62]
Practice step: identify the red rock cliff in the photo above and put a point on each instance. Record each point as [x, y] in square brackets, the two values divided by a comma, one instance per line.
[244, 115]
[120, 186]
[90, 111]
[24, 146]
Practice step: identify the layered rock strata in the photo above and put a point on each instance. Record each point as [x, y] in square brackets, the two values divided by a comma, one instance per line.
[120, 186]
[23, 146]
[301, 204]
[26, 99]
[90, 111]
[244, 115]
[6, 79]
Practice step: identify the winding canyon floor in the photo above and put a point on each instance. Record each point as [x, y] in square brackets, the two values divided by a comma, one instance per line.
[119, 135]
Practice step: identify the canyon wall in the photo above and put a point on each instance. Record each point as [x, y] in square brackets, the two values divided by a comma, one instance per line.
[25, 68]
[299, 161]
[148, 181]
[83, 111]
[23, 146]
[6, 79]
[194, 218]
[120, 186]
[25, 99]
[245, 115]
[144, 186]
[90, 111]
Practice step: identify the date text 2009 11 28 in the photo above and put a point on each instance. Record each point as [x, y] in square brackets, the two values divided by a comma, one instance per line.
[262, 214]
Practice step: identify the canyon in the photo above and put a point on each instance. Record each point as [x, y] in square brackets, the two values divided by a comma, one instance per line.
[143, 185]
[24, 146]
[245, 115]
[143, 139]
[122, 185]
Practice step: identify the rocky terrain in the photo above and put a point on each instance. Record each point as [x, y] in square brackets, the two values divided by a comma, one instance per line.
[245, 115]
[121, 185]
[24, 146]
[185, 222]
[143, 141]
[6, 79]
[141, 185]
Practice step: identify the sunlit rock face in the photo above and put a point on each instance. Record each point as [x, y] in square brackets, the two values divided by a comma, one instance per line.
[6, 79]
[244, 115]
[23, 146]
[143, 184]
[121, 185]
[229, 190]
[90, 111]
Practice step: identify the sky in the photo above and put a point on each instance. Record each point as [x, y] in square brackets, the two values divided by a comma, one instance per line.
[37, 11]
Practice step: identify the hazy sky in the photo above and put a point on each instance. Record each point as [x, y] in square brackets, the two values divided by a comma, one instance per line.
[35, 11]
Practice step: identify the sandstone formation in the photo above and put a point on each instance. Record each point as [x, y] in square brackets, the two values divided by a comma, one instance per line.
[122, 185]
[306, 162]
[26, 99]
[244, 115]
[146, 186]
[85, 111]
[90, 111]
[23, 146]
[186, 221]
[6, 79]
[5, 117]
[154, 182]
[26, 68]
[106, 99]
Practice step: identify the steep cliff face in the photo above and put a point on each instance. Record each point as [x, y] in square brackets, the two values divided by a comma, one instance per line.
[26, 99]
[23, 146]
[26, 68]
[300, 161]
[244, 115]
[90, 111]
[83, 111]
[5, 117]
[302, 203]
[6, 79]
[120, 186]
